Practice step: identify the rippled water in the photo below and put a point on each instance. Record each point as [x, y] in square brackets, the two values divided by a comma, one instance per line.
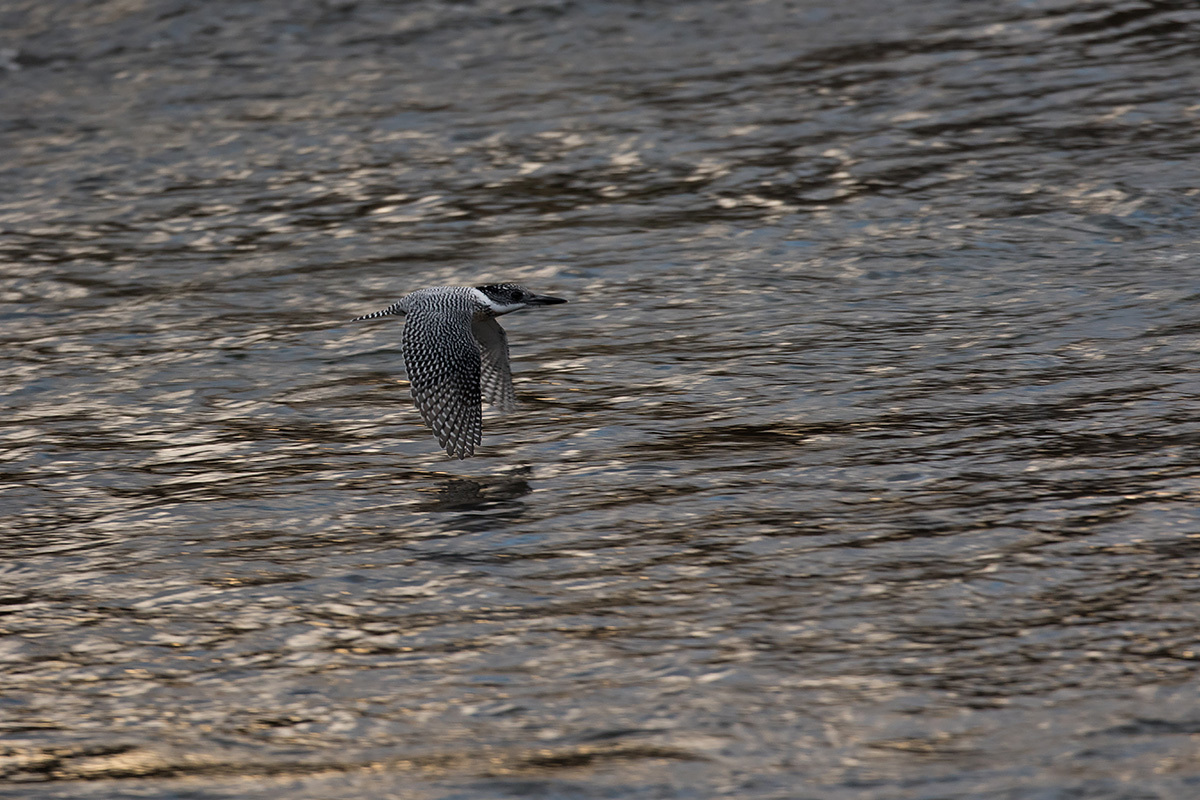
[863, 463]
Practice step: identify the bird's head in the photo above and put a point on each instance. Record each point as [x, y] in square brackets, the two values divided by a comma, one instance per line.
[504, 298]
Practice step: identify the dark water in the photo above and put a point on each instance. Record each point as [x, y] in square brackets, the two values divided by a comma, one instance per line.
[864, 462]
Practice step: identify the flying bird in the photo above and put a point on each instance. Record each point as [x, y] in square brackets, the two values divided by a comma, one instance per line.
[456, 355]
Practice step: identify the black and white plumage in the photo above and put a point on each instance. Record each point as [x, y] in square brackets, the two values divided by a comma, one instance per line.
[456, 355]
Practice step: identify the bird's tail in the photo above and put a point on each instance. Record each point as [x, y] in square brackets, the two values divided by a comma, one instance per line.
[394, 308]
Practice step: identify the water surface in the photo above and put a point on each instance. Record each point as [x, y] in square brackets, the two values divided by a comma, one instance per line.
[862, 464]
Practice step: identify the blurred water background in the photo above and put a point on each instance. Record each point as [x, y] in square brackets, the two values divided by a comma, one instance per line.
[864, 463]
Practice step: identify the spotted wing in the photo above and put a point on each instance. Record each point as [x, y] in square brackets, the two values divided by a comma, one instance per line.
[495, 381]
[442, 360]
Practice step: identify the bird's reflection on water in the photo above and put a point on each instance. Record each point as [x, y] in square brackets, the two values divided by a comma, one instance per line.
[497, 494]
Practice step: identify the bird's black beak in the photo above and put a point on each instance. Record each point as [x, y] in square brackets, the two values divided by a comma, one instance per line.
[544, 300]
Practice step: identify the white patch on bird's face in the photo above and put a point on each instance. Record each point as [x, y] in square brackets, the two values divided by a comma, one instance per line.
[497, 308]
